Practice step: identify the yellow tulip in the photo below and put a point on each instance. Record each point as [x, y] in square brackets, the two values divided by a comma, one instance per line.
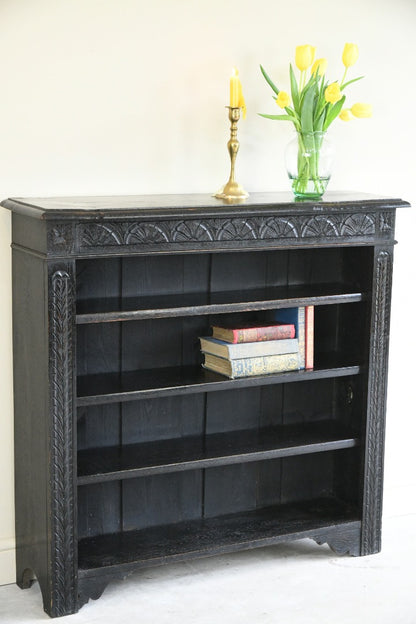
[283, 99]
[333, 93]
[345, 114]
[320, 66]
[350, 54]
[304, 56]
[362, 110]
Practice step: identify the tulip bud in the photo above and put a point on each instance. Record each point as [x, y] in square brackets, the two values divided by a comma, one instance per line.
[304, 56]
[283, 99]
[333, 93]
[345, 114]
[320, 66]
[350, 54]
[362, 110]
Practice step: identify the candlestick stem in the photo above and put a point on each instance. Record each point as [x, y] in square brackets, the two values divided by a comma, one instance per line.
[232, 191]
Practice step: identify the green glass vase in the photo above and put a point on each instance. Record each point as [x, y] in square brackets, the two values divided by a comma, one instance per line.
[309, 158]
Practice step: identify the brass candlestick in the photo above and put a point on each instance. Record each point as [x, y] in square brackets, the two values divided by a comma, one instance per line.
[232, 191]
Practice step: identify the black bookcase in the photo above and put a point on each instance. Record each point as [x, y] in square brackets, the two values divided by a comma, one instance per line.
[128, 453]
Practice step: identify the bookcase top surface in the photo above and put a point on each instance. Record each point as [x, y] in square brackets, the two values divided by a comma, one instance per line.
[102, 207]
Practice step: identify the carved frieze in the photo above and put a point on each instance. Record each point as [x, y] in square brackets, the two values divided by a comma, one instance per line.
[263, 228]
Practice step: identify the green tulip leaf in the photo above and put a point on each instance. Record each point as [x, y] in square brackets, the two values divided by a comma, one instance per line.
[269, 80]
[306, 115]
[322, 88]
[319, 123]
[294, 89]
[350, 82]
[281, 117]
[333, 112]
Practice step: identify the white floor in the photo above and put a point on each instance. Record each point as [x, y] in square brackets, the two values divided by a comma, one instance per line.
[296, 583]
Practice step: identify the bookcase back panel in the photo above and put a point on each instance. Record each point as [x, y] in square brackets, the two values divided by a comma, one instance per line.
[162, 499]
[341, 329]
[170, 498]
[99, 348]
[200, 414]
[348, 476]
[159, 275]
[230, 489]
[174, 342]
[98, 278]
[156, 343]
[163, 418]
[99, 426]
[160, 343]
[99, 509]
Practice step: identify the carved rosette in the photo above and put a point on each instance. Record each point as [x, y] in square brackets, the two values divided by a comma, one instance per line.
[61, 238]
[386, 223]
[373, 478]
[63, 545]
[262, 228]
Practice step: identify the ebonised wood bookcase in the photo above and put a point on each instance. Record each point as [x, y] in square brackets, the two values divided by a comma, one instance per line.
[129, 454]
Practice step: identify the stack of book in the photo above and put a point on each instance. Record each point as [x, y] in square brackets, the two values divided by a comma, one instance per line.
[284, 344]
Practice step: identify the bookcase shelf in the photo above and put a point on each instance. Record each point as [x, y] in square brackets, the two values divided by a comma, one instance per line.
[127, 452]
[197, 304]
[203, 451]
[127, 551]
[143, 384]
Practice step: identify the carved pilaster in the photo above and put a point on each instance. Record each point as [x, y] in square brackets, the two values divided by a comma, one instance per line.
[377, 390]
[61, 351]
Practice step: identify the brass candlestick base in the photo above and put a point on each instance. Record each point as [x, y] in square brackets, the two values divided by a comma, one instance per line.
[232, 191]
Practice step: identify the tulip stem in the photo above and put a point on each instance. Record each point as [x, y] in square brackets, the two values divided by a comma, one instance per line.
[344, 76]
[301, 80]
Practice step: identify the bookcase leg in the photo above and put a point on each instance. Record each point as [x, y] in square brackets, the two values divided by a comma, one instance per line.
[342, 541]
[91, 589]
[25, 579]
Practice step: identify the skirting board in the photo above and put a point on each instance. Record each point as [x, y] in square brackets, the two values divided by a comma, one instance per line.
[7, 561]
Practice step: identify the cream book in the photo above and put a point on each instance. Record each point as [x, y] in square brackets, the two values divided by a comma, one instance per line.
[247, 367]
[248, 349]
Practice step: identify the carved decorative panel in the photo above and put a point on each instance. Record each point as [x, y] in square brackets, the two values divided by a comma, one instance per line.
[61, 238]
[63, 544]
[110, 234]
[373, 482]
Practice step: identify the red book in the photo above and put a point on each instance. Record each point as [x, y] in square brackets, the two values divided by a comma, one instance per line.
[309, 322]
[254, 333]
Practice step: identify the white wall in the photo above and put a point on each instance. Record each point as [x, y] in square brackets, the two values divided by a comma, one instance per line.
[128, 96]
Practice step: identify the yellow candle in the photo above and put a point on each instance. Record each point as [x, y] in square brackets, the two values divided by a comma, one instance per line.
[235, 89]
